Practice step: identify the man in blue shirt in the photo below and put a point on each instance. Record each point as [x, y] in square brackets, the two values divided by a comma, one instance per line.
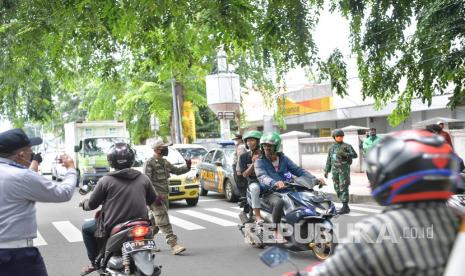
[21, 187]
[273, 169]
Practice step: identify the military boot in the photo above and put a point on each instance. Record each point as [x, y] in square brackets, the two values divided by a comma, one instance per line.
[176, 249]
[345, 209]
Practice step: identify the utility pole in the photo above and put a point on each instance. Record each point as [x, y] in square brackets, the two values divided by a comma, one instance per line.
[176, 114]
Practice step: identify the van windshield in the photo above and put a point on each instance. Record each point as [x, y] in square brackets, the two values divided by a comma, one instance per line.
[100, 145]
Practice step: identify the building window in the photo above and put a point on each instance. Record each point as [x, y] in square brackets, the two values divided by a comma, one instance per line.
[88, 132]
[112, 131]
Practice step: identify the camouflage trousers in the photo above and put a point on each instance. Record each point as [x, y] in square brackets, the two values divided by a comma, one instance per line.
[341, 180]
[161, 221]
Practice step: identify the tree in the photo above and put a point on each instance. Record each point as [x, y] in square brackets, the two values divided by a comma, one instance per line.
[419, 42]
[133, 48]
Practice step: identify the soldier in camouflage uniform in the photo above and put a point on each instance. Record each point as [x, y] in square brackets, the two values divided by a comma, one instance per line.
[340, 157]
[158, 170]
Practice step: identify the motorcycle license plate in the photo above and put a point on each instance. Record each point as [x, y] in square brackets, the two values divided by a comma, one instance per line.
[174, 189]
[138, 245]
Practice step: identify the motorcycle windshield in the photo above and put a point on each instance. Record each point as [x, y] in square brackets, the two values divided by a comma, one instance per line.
[305, 181]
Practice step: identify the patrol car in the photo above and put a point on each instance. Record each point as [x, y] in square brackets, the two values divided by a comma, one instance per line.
[215, 173]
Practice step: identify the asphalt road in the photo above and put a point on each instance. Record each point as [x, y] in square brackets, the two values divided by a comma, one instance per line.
[208, 231]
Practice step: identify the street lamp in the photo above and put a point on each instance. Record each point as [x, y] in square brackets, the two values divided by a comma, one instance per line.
[223, 94]
[222, 62]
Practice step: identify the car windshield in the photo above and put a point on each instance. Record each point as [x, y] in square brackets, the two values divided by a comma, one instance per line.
[192, 152]
[229, 153]
[100, 145]
[174, 157]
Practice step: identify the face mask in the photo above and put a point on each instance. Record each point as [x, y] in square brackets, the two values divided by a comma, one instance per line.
[164, 151]
[372, 134]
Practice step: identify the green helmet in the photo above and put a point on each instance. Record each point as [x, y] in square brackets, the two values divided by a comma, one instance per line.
[337, 132]
[271, 138]
[252, 134]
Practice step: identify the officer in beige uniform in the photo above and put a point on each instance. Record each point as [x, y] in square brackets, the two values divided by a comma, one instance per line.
[158, 170]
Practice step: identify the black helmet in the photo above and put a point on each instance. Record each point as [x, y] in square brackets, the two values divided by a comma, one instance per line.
[413, 165]
[337, 132]
[121, 156]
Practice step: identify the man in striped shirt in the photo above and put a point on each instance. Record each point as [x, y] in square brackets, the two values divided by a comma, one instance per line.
[411, 172]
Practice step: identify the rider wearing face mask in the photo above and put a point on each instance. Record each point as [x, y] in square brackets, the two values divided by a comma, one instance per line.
[158, 169]
[273, 169]
[340, 157]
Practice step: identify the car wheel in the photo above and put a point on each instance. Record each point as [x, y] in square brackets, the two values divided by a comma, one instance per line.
[229, 192]
[192, 201]
[54, 177]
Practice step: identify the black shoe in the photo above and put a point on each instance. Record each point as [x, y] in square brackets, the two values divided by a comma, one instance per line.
[345, 209]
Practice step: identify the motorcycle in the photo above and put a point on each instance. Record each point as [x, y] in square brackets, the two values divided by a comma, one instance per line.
[128, 250]
[306, 220]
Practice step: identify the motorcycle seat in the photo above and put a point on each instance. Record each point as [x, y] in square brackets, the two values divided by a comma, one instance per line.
[125, 225]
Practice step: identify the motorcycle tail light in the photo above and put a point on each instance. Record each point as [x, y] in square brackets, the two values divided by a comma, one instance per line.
[139, 232]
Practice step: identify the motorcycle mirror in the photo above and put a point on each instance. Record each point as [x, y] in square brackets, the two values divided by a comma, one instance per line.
[274, 256]
[85, 189]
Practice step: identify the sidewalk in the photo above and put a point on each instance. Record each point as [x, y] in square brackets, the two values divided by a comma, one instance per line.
[359, 189]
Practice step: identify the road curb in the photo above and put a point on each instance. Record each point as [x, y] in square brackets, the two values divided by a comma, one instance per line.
[352, 198]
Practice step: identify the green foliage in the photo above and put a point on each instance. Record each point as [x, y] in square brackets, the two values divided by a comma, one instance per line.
[335, 70]
[417, 42]
[120, 56]
[208, 126]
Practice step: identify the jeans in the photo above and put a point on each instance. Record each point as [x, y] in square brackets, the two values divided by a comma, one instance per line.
[254, 189]
[277, 204]
[88, 230]
[21, 262]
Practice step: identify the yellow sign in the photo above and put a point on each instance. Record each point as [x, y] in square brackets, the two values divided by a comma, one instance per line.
[309, 106]
[188, 123]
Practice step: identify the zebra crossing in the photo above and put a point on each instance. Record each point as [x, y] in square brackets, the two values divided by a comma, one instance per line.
[194, 219]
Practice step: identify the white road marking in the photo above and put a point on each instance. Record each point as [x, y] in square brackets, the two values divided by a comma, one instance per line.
[236, 207]
[206, 200]
[354, 214]
[68, 230]
[223, 212]
[184, 223]
[39, 241]
[208, 218]
[364, 209]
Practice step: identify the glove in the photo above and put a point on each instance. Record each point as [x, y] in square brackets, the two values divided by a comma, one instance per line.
[189, 163]
[37, 157]
[158, 200]
[326, 175]
[341, 154]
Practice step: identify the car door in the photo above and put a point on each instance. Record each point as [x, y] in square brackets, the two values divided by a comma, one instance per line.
[207, 172]
[218, 162]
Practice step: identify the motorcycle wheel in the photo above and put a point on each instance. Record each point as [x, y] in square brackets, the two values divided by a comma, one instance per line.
[229, 191]
[322, 250]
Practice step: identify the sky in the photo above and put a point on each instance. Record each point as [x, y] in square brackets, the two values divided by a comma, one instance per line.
[331, 32]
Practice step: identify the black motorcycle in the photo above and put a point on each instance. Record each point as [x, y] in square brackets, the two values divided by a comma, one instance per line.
[128, 250]
[306, 211]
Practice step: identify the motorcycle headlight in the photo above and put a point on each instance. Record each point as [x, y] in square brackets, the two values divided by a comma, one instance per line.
[88, 170]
